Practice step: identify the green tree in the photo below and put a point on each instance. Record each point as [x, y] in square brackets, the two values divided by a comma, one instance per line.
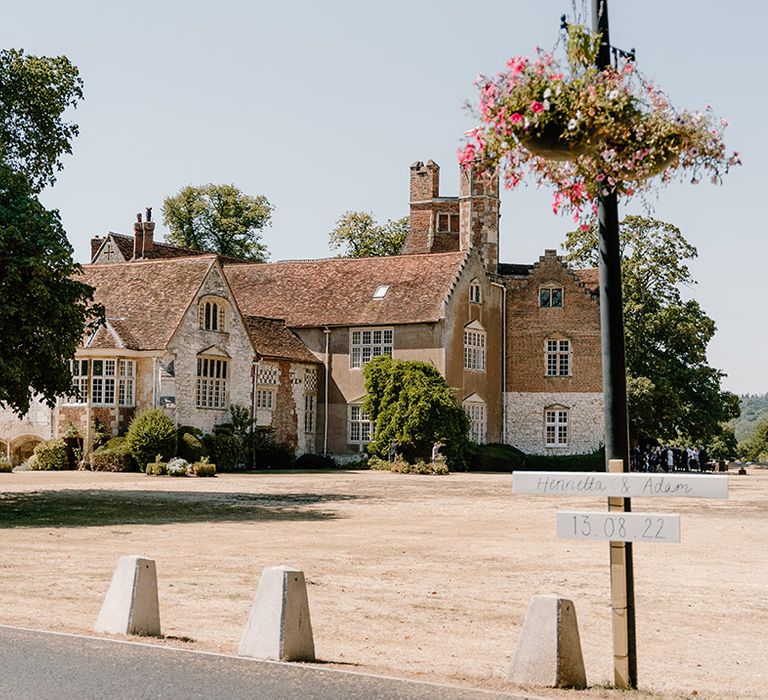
[673, 394]
[755, 447]
[359, 236]
[45, 308]
[411, 404]
[218, 218]
[34, 93]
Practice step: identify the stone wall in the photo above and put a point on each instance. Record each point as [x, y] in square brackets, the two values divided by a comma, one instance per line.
[525, 421]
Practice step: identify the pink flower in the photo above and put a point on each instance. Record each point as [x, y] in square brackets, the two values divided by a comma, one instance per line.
[584, 227]
[537, 107]
[517, 64]
[467, 155]
[516, 118]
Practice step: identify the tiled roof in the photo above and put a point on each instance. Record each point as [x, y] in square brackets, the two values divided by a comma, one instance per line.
[145, 300]
[590, 278]
[339, 291]
[158, 250]
[271, 338]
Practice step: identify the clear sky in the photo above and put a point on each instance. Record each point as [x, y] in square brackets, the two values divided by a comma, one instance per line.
[322, 107]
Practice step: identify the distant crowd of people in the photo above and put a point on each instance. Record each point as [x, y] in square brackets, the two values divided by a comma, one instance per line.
[650, 458]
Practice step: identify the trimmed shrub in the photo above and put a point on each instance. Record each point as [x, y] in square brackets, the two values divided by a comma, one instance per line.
[49, 455]
[204, 468]
[496, 458]
[156, 468]
[190, 447]
[226, 451]
[594, 461]
[379, 464]
[5, 466]
[115, 456]
[151, 432]
[312, 461]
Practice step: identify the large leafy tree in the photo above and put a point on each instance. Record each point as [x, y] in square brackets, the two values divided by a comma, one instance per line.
[35, 91]
[218, 218]
[45, 308]
[755, 447]
[411, 404]
[673, 393]
[358, 235]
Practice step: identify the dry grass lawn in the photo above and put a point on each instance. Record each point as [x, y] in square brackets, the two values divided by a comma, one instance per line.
[413, 576]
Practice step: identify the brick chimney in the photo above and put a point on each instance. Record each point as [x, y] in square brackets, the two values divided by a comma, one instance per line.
[425, 181]
[96, 242]
[149, 230]
[479, 214]
[138, 238]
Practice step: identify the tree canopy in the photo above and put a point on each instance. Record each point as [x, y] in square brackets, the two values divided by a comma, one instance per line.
[755, 447]
[410, 404]
[45, 308]
[358, 235]
[673, 393]
[35, 91]
[218, 218]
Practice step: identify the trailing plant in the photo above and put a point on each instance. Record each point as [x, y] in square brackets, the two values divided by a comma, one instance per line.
[562, 122]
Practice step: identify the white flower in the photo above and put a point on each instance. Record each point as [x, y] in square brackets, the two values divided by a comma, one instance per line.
[547, 93]
[608, 155]
[545, 104]
[558, 90]
[613, 94]
[572, 124]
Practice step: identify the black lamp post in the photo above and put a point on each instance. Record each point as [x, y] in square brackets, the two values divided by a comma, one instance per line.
[615, 398]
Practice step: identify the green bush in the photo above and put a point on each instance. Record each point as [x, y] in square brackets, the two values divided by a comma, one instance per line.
[151, 432]
[50, 455]
[379, 464]
[115, 456]
[5, 465]
[313, 461]
[401, 466]
[190, 447]
[496, 458]
[226, 451]
[594, 461]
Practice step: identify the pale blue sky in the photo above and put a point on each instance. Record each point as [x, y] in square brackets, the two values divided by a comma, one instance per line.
[323, 106]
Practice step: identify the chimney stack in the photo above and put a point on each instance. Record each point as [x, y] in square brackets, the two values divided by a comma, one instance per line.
[138, 238]
[149, 231]
[96, 242]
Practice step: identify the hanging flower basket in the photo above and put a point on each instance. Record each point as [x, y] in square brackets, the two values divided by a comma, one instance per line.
[586, 131]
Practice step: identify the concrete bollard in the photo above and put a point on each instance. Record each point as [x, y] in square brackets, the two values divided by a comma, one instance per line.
[131, 605]
[549, 651]
[279, 627]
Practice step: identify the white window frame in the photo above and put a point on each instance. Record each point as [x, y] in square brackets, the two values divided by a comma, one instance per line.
[359, 428]
[126, 389]
[478, 420]
[103, 381]
[474, 349]
[550, 290]
[475, 292]
[79, 395]
[450, 218]
[265, 399]
[211, 382]
[367, 343]
[310, 413]
[556, 426]
[558, 357]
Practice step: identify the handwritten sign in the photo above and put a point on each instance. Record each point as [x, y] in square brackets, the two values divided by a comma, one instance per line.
[620, 485]
[619, 527]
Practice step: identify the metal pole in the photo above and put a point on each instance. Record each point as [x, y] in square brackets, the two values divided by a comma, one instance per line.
[615, 398]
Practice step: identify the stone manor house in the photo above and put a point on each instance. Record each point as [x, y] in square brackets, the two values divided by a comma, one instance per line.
[195, 333]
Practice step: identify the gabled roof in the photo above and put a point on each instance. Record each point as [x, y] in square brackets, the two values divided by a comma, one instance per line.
[158, 251]
[272, 339]
[145, 301]
[590, 278]
[339, 291]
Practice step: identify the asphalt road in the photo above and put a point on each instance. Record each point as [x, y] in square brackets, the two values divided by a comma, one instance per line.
[48, 666]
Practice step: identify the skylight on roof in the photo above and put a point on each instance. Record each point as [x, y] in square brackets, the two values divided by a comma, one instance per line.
[381, 291]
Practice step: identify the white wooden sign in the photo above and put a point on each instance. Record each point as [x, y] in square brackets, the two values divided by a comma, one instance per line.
[619, 527]
[620, 485]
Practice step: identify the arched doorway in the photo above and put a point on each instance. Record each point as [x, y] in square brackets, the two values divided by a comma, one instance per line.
[22, 448]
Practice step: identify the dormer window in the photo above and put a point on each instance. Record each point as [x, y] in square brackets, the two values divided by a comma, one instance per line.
[212, 315]
[447, 222]
[381, 291]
